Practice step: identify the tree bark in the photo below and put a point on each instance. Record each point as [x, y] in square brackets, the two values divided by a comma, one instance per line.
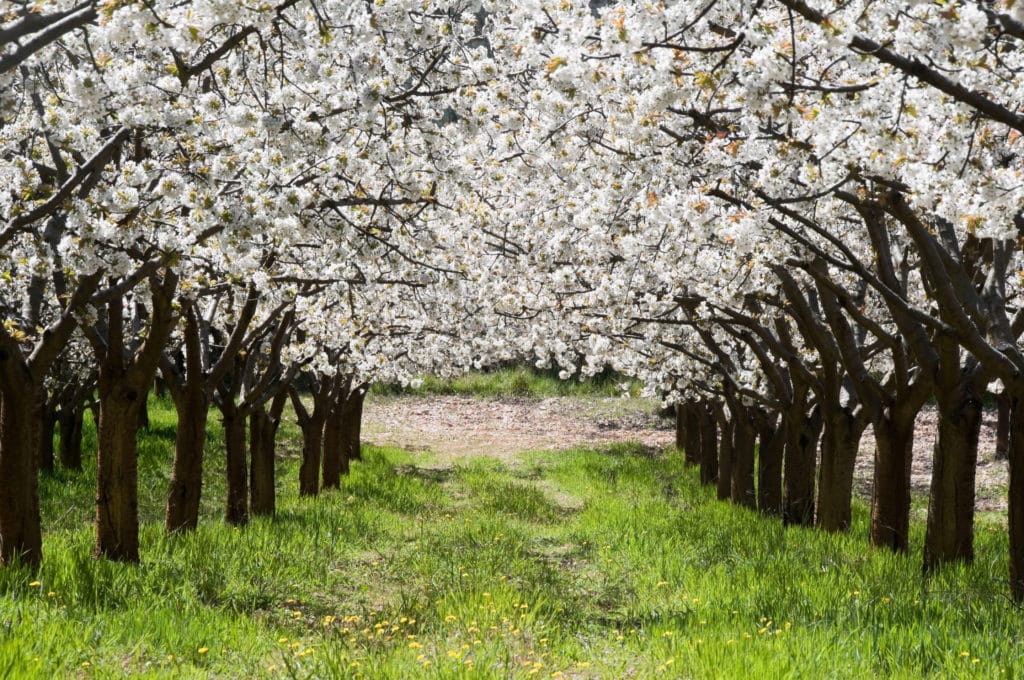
[803, 430]
[949, 535]
[117, 505]
[745, 437]
[354, 426]
[769, 463]
[311, 422]
[21, 536]
[840, 442]
[890, 503]
[726, 453]
[708, 445]
[1016, 498]
[47, 426]
[261, 446]
[692, 447]
[681, 426]
[183, 498]
[69, 419]
[1002, 426]
[237, 510]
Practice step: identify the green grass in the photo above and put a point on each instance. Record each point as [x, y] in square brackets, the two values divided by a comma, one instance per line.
[517, 381]
[582, 564]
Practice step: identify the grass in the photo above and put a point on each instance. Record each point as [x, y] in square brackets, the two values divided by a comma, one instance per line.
[582, 564]
[518, 381]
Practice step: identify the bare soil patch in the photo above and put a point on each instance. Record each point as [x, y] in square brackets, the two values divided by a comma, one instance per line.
[451, 428]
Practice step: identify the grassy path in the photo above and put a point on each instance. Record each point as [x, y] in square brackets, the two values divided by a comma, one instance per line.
[584, 564]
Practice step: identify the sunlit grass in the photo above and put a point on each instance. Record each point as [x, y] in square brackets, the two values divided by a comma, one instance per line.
[579, 564]
[518, 381]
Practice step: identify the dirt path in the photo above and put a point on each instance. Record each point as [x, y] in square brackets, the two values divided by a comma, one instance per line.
[453, 428]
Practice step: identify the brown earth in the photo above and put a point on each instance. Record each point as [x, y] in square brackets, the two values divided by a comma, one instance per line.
[451, 428]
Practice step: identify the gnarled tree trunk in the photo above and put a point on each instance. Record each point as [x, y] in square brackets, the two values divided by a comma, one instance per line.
[708, 445]
[69, 419]
[726, 452]
[21, 536]
[840, 441]
[117, 504]
[949, 535]
[744, 441]
[192, 404]
[803, 430]
[772, 441]
[692, 447]
[890, 503]
[237, 509]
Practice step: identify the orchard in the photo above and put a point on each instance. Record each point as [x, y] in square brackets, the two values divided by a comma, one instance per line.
[796, 223]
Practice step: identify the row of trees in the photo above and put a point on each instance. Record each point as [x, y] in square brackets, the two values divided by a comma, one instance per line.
[797, 222]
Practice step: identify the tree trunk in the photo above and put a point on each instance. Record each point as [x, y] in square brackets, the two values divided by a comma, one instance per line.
[21, 536]
[47, 426]
[334, 444]
[237, 510]
[1016, 498]
[769, 463]
[744, 440]
[950, 530]
[70, 419]
[117, 503]
[312, 424]
[802, 433]
[1002, 426]
[681, 426]
[708, 445]
[840, 442]
[353, 427]
[261, 446]
[144, 413]
[890, 503]
[726, 453]
[183, 497]
[692, 448]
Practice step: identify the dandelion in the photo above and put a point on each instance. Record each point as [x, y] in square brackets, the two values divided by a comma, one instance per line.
[450, 618]
[415, 645]
[667, 634]
[34, 584]
[965, 654]
[204, 650]
[328, 620]
[661, 584]
[282, 640]
[86, 664]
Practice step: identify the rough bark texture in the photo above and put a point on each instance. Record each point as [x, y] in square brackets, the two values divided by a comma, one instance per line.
[44, 442]
[69, 449]
[1002, 426]
[890, 503]
[237, 509]
[20, 532]
[745, 438]
[334, 444]
[802, 433]
[949, 535]
[261, 445]
[692, 450]
[708, 445]
[1016, 499]
[769, 463]
[840, 442]
[726, 454]
[354, 427]
[681, 426]
[183, 497]
[117, 505]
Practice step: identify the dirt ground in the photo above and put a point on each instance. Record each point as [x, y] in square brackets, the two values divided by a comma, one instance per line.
[453, 427]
